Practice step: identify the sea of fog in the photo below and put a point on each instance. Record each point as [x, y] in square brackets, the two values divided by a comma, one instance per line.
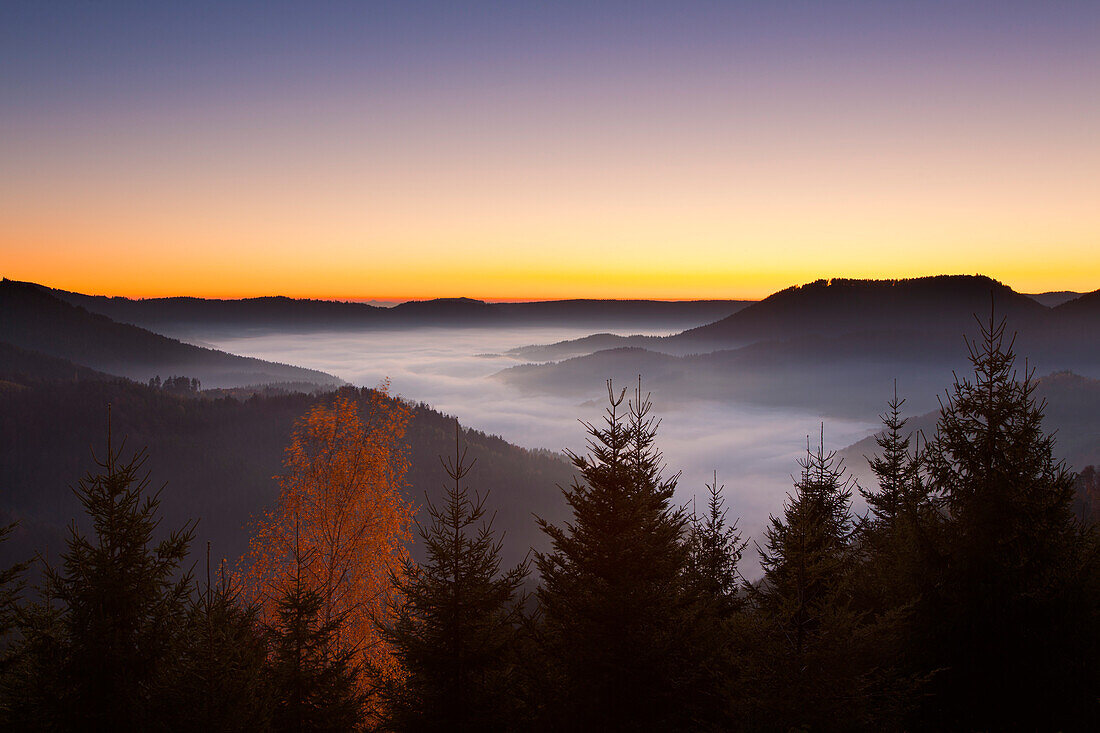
[753, 449]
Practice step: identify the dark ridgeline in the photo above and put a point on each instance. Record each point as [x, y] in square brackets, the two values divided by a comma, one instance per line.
[1054, 298]
[457, 621]
[34, 320]
[185, 315]
[925, 304]
[942, 304]
[829, 346]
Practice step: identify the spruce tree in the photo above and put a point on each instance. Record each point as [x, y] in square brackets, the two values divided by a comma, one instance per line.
[616, 613]
[456, 626]
[314, 679]
[902, 537]
[900, 548]
[35, 692]
[1012, 621]
[715, 586]
[113, 611]
[219, 681]
[11, 587]
[715, 548]
[807, 669]
[894, 466]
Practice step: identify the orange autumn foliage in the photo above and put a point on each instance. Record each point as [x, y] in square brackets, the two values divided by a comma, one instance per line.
[342, 487]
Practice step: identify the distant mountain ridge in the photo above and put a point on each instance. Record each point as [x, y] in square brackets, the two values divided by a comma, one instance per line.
[943, 302]
[21, 364]
[827, 346]
[184, 316]
[1054, 298]
[34, 320]
[936, 304]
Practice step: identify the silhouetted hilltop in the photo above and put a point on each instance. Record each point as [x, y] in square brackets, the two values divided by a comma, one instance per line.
[827, 346]
[218, 457]
[192, 316]
[33, 319]
[173, 314]
[926, 304]
[1054, 298]
[1082, 309]
[921, 307]
[446, 312]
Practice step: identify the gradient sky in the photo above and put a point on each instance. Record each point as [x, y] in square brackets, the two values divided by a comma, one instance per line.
[539, 150]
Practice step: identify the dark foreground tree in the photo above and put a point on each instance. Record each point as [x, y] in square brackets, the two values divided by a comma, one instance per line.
[104, 635]
[714, 550]
[902, 538]
[219, 679]
[314, 678]
[717, 602]
[617, 617]
[1015, 613]
[11, 586]
[816, 663]
[456, 626]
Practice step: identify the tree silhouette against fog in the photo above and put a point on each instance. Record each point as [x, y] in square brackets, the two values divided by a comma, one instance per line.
[616, 613]
[1012, 606]
[456, 622]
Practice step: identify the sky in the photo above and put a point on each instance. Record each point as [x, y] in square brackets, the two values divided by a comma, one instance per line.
[546, 150]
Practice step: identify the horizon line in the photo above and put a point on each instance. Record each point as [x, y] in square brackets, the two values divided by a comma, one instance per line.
[399, 300]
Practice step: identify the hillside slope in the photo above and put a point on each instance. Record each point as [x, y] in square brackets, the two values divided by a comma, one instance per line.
[32, 319]
[926, 304]
[944, 304]
[217, 457]
[828, 346]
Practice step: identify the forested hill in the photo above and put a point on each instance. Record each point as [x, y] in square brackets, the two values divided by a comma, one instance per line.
[18, 365]
[930, 304]
[185, 315]
[33, 319]
[217, 458]
[828, 346]
[1083, 310]
[922, 307]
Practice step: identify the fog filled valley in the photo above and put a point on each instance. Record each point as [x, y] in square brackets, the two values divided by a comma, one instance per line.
[739, 396]
[239, 403]
[457, 371]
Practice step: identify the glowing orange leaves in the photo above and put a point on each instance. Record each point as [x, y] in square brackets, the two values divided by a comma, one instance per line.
[344, 471]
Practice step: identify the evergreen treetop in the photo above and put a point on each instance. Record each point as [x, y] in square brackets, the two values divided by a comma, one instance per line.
[123, 596]
[457, 620]
[615, 605]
